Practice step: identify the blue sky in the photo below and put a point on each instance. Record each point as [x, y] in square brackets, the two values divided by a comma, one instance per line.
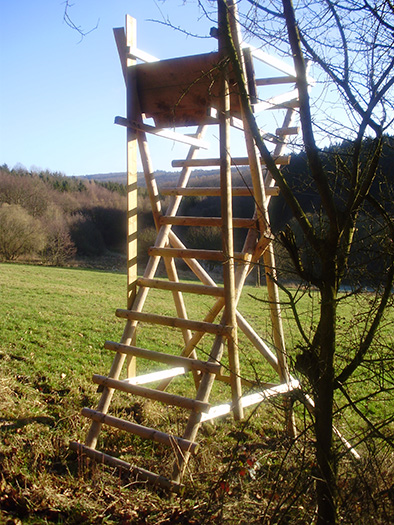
[59, 94]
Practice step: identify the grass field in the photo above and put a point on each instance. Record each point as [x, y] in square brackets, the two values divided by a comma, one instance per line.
[53, 325]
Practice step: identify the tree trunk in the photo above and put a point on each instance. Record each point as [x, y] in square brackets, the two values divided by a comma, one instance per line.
[323, 393]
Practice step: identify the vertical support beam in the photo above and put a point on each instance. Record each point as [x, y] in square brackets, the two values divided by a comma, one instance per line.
[132, 149]
[227, 221]
[132, 105]
[259, 183]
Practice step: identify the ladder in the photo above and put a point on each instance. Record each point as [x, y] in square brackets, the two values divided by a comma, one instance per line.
[222, 323]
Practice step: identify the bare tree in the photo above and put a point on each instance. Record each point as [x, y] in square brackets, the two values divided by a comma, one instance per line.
[350, 42]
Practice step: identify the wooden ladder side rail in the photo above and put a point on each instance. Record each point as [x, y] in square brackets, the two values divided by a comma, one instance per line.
[203, 191]
[273, 290]
[199, 289]
[139, 430]
[132, 197]
[270, 270]
[225, 162]
[118, 362]
[287, 125]
[123, 40]
[283, 160]
[151, 393]
[138, 472]
[174, 360]
[252, 399]
[194, 421]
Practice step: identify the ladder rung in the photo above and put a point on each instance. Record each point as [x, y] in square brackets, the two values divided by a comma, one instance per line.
[288, 131]
[185, 253]
[206, 221]
[139, 430]
[275, 80]
[201, 289]
[174, 360]
[138, 472]
[235, 161]
[176, 322]
[209, 191]
[151, 393]
[165, 133]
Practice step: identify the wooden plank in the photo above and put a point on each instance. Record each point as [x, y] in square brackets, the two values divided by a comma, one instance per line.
[132, 110]
[235, 161]
[271, 60]
[134, 53]
[175, 322]
[293, 130]
[120, 39]
[266, 105]
[138, 472]
[140, 430]
[153, 377]
[257, 342]
[227, 212]
[275, 80]
[252, 399]
[164, 133]
[185, 253]
[208, 191]
[151, 393]
[200, 289]
[186, 362]
[206, 221]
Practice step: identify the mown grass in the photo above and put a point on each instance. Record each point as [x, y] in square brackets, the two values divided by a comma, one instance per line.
[53, 325]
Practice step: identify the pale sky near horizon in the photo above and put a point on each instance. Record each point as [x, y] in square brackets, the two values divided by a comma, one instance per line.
[59, 93]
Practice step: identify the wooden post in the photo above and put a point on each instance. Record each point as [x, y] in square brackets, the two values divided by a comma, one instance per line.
[131, 40]
[132, 148]
[227, 222]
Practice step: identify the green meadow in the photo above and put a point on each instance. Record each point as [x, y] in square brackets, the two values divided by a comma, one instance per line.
[54, 322]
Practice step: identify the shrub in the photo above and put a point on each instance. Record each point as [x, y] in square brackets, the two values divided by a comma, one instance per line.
[20, 233]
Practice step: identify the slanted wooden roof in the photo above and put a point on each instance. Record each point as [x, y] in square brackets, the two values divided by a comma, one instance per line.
[179, 91]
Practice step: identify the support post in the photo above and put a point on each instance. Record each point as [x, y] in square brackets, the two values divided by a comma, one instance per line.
[132, 104]
[227, 222]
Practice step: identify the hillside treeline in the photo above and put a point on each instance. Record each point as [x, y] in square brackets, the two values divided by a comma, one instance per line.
[57, 218]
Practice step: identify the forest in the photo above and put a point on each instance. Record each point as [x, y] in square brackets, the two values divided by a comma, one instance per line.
[53, 219]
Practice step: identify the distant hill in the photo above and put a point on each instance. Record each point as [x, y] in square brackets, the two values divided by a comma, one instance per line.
[119, 177]
[169, 178]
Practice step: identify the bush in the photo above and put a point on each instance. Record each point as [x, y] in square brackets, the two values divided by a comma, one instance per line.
[59, 247]
[20, 233]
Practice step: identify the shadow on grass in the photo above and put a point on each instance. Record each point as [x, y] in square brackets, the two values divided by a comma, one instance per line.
[12, 424]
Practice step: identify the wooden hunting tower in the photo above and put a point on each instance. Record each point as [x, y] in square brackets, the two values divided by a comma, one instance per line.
[200, 91]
